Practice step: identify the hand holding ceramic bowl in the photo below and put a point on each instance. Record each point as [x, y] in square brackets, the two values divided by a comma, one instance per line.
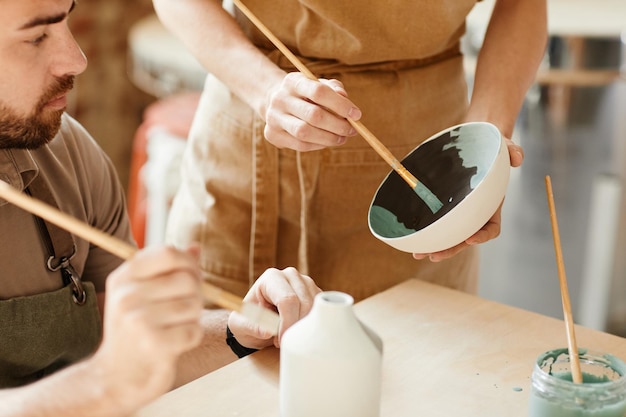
[467, 167]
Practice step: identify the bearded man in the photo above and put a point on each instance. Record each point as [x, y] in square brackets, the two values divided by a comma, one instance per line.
[81, 332]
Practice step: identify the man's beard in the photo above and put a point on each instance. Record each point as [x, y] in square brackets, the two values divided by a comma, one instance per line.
[38, 128]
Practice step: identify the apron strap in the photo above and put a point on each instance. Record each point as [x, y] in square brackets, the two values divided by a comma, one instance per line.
[59, 242]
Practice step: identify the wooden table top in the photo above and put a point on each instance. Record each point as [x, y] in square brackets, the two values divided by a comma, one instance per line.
[446, 353]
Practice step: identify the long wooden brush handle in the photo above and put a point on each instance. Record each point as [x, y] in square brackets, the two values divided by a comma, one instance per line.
[567, 306]
[376, 144]
[99, 238]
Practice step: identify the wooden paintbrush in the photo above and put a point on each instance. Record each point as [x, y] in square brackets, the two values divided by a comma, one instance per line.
[431, 200]
[266, 319]
[567, 307]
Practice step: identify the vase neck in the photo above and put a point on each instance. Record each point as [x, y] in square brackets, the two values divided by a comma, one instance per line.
[335, 305]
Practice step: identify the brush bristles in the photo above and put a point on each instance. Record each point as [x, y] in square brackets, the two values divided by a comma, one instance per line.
[431, 200]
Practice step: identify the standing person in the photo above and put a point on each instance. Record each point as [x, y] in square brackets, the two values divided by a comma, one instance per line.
[81, 332]
[273, 173]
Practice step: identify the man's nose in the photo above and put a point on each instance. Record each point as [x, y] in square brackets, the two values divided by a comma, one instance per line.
[70, 59]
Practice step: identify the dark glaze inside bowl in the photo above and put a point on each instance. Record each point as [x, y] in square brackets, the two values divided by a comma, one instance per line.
[451, 165]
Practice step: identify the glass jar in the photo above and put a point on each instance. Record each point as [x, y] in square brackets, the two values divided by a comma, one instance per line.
[602, 393]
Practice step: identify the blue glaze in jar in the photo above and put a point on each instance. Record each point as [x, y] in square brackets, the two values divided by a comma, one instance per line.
[602, 393]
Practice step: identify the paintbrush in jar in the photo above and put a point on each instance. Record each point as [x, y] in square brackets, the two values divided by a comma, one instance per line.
[567, 307]
[266, 319]
[431, 200]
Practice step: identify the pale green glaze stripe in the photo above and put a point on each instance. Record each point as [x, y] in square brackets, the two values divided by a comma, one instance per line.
[386, 224]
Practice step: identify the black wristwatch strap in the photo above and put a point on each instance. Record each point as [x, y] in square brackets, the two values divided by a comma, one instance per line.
[240, 351]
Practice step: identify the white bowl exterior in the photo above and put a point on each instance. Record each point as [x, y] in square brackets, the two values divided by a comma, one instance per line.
[477, 208]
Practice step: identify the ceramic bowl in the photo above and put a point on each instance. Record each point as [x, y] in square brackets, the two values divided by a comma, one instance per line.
[467, 167]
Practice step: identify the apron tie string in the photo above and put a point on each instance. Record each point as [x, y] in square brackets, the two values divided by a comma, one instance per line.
[303, 258]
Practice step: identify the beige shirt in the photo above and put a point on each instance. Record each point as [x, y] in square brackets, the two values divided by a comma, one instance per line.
[85, 185]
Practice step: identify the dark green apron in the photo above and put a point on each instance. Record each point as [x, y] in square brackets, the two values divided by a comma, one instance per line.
[43, 333]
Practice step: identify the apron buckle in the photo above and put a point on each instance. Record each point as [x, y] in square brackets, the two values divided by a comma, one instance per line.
[70, 277]
[62, 262]
[78, 292]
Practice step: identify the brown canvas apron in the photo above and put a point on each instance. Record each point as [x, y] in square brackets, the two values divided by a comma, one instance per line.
[42, 333]
[253, 206]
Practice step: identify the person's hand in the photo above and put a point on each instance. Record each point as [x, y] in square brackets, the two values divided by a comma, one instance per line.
[489, 231]
[286, 291]
[306, 115]
[152, 313]
[516, 153]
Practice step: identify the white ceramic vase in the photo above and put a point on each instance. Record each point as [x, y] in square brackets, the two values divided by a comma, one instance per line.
[330, 363]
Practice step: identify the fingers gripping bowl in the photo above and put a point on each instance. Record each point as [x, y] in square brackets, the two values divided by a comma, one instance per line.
[467, 167]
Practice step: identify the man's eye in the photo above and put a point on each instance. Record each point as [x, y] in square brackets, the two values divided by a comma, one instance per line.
[38, 39]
